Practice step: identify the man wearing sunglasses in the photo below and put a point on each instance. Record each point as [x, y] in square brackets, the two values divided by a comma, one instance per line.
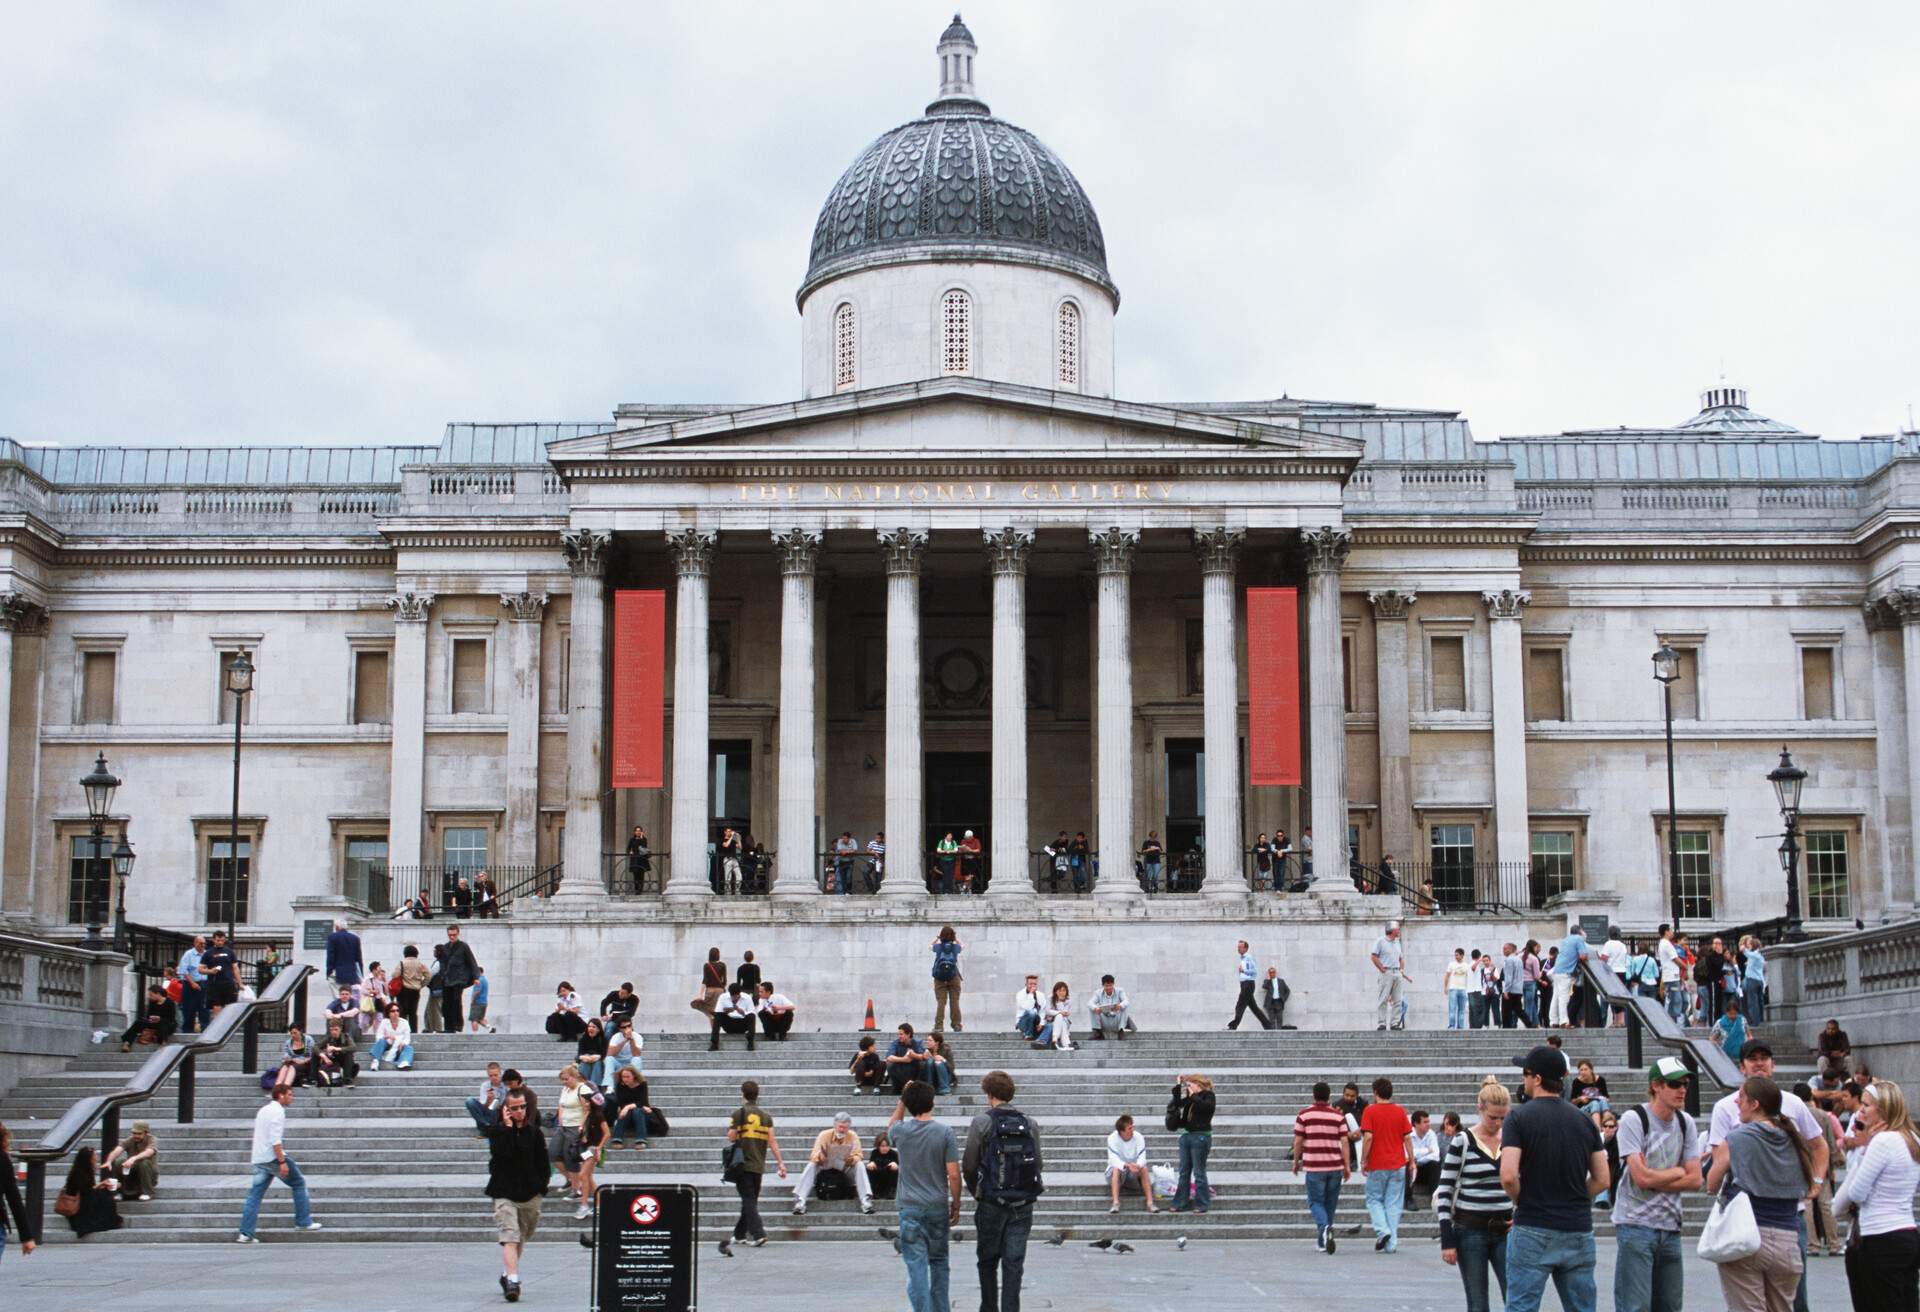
[1659, 1161]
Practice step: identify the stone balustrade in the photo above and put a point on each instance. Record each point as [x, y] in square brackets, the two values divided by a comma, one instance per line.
[1868, 980]
[52, 998]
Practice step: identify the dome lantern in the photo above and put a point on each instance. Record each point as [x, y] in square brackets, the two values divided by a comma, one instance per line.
[956, 50]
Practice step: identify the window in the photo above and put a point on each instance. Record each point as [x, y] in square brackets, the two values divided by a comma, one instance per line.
[720, 658]
[372, 701]
[89, 879]
[1552, 864]
[97, 678]
[463, 848]
[732, 793]
[1686, 688]
[1068, 345]
[1346, 673]
[469, 676]
[1193, 681]
[1829, 888]
[956, 333]
[1447, 673]
[1695, 859]
[1816, 684]
[1451, 848]
[1186, 792]
[1546, 684]
[229, 880]
[227, 699]
[845, 375]
[364, 873]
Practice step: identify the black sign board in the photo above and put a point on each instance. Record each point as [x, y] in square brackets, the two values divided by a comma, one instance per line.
[645, 1254]
[1596, 928]
[313, 934]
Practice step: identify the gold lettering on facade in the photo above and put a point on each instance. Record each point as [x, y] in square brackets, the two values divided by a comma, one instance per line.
[863, 493]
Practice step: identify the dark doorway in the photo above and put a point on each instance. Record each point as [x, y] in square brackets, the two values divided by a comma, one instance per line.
[1186, 819]
[730, 794]
[959, 797]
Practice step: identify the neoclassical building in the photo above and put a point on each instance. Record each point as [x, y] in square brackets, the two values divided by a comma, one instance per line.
[957, 583]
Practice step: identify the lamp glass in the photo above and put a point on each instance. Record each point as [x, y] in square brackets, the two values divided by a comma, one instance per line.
[240, 674]
[1666, 664]
[123, 858]
[100, 787]
[1787, 779]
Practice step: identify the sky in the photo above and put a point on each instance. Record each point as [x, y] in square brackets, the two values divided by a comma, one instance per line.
[352, 223]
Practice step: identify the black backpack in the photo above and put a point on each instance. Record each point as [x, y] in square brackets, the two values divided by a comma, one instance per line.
[1009, 1173]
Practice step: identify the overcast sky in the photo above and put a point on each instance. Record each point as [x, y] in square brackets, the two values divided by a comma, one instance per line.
[353, 222]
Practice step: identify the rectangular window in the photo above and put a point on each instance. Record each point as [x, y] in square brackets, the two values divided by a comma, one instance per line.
[364, 878]
[732, 791]
[463, 848]
[469, 676]
[1816, 682]
[1447, 673]
[1829, 886]
[720, 658]
[96, 686]
[1452, 851]
[1552, 863]
[1194, 650]
[1346, 673]
[89, 880]
[1695, 852]
[1686, 689]
[228, 880]
[226, 698]
[372, 702]
[1546, 686]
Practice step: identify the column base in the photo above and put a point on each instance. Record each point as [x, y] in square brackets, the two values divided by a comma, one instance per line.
[1334, 890]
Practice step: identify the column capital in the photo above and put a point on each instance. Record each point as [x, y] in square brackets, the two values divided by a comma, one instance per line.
[1392, 604]
[1113, 549]
[1326, 549]
[692, 552]
[903, 548]
[1218, 548]
[1506, 604]
[410, 607]
[21, 614]
[586, 551]
[799, 549]
[1902, 605]
[1007, 549]
[524, 607]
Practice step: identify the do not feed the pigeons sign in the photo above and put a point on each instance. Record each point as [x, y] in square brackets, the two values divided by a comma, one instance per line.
[646, 1249]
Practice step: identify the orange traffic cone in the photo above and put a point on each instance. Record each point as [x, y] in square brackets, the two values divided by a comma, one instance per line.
[868, 1024]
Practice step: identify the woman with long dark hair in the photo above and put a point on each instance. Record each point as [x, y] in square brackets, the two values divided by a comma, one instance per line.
[97, 1210]
[713, 982]
[1766, 1159]
[591, 1054]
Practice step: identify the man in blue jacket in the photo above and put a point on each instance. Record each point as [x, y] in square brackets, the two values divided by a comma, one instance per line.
[345, 965]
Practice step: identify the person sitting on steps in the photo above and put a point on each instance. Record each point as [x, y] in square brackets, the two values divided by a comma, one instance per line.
[735, 1014]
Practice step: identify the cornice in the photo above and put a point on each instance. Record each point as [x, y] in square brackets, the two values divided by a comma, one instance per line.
[834, 465]
[1656, 552]
[292, 556]
[1364, 537]
[478, 536]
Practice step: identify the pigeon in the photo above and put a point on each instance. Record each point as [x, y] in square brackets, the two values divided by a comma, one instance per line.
[1058, 1240]
[726, 1248]
[586, 1240]
[889, 1234]
[1181, 1243]
[1101, 1243]
[1123, 1248]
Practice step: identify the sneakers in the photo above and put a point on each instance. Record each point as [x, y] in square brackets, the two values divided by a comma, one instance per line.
[1320, 1240]
[1331, 1241]
[311, 1225]
[800, 1208]
[584, 1212]
[760, 1242]
[1380, 1244]
[866, 1208]
[376, 1066]
[245, 1239]
[510, 1289]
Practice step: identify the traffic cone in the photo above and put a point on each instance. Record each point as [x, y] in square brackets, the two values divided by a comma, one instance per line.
[868, 1024]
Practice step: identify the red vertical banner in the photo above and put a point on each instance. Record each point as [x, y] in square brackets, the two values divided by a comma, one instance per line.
[639, 687]
[1273, 685]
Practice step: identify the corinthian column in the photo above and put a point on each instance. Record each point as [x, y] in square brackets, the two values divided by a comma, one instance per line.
[1905, 602]
[1007, 551]
[1512, 846]
[1219, 551]
[19, 617]
[524, 612]
[1326, 550]
[1396, 739]
[586, 551]
[692, 559]
[794, 858]
[407, 773]
[905, 809]
[1113, 564]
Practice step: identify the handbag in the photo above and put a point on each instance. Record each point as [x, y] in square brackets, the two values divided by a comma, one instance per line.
[66, 1204]
[657, 1127]
[733, 1163]
[1730, 1233]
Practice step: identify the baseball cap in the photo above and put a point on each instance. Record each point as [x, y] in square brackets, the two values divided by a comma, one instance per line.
[1542, 1061]
[1668, 1070]
[1754, 1048]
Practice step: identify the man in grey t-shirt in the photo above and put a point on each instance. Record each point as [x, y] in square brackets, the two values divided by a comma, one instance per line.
[1388, 958]
[1659, 1161]
[929, 1193]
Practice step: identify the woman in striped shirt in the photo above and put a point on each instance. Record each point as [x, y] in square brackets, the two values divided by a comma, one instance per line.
[1474, 1210]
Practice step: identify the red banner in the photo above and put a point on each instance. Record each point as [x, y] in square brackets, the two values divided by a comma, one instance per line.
[639, 687]
[1273, 685]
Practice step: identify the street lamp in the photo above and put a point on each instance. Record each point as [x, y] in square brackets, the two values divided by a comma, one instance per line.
[1787, 780]
[123, 859]
[239, 683]
[1666, 669]
[99, 785]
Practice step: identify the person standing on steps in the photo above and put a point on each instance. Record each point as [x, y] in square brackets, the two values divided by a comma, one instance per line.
[1002, 1169]
[1566, 970]
[270, 1162]
[1553, 1165]
[1386, 1147]
[1249, 977]
[516, 1182]
[1320, 1149]
[346, 965]
[928, 1194]
[752, 1130]
[947, 948]
[1191, 1112]
[458, 971]
[1389, 959]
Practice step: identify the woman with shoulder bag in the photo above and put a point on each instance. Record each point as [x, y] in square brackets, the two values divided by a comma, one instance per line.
[87, 1201]
[1766, 1159]
[1883, 1262]
[1474, 1210]
[713, 982]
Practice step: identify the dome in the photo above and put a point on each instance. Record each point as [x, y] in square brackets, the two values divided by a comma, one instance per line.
[957, 184]
[1723, 409]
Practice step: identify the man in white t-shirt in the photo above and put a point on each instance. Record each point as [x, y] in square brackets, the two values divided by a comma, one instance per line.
[1756, 1058]
[270, 1161]
[1614, 956]
[1670, 981]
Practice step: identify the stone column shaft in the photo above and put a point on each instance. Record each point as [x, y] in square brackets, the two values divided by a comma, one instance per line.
[524, 612]
[1512, 843]
[905, 798]
[1396, 739]
[688, 874]
[408, 774]
[1219, 551]
[581, 875]
[1326, 550]
[1113, 551]
[1009, 873]
[18, 615]
[795, 865]
[1907, 602]
[1891, 748]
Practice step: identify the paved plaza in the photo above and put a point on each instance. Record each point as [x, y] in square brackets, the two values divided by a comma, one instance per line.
[815, 1277]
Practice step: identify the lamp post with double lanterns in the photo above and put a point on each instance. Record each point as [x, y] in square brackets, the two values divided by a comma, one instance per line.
[99, 785]
[1787, 780]
[1666, 669]
[239, 683]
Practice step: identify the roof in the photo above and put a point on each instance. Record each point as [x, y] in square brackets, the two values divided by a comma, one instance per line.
[1674, 457]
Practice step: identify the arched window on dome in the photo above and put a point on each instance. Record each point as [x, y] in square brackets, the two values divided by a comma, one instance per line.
[956, 333]
[846, 373]
[1067, 346]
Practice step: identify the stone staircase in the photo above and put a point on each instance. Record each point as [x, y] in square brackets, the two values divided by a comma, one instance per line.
[396, 1157]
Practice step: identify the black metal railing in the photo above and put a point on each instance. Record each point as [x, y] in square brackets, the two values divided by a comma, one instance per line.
[1702, 1056]
[954, 874]
[1428, 888]
[850, 874]
[1058, 872]
[1276, 870]
[634, 874]
[425, 892]
[543, 882]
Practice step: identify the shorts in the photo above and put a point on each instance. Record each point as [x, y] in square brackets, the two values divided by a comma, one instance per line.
[563, 1146]
[477, 1013]
[514, 1223]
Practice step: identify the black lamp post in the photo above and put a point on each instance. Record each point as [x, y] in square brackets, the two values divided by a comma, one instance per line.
[123, 860]
[1787, 780]
[1666, 669]
[239, 683]
[99, 786]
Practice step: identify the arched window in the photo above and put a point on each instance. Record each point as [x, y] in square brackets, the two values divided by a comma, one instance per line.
[845, 371]
[1067, 345]
[956, 333]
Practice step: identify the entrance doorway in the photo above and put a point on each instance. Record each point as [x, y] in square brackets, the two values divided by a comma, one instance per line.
[959, 793]
[1186, 818]
[730, 765]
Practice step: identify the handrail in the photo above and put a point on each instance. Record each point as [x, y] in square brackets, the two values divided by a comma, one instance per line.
[178, 1053]
[1700, 1055]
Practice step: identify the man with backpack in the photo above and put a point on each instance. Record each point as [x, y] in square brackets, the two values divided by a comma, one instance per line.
[1001, 1167]
[1659, 1148]
[947, 948]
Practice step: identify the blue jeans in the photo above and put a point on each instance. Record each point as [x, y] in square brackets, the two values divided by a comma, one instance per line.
[923, 1247]
[1001, 1244]
[1456, 1009]
[483, 1116]
[264, 1174]
[1530, 1002]
[632, 1118]
[402, 1058]
[1029, 1025]
[1386, 1193]
[1647, 1271]
[1534, 1254]
[1800, 1293]
[593, 1071]
[843, 875]
[1677, 1001]
[1478, 1252]
[1194, 1148]
[1153, 876]
[617, 1064]
[1323, 1196]
[1079, 869]
[194, 1012]
[1754, 1001]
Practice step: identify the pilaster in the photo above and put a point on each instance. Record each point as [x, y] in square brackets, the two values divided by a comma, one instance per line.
[1512, 846]
[1396, 741]
[21, 620]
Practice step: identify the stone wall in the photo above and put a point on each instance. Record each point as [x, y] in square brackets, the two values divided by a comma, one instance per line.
[1869, 981]
[51, 1000]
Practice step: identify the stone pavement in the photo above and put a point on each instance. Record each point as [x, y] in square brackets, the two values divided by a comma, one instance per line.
[816, 1277]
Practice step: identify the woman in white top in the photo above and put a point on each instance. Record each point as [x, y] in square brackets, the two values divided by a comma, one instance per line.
[1127, 1156]
[1056, 1022]
[570, 1117]
[393, 1040]
[1883, 1262]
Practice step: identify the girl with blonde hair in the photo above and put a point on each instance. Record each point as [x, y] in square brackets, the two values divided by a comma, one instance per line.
[1883, 1262]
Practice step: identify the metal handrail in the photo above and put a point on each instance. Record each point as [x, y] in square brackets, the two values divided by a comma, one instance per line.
[180, 1053]
[1700, 1055]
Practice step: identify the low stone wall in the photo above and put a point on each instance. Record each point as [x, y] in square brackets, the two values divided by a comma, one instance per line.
[52, 998]
[1175, 958]
[1868, 980]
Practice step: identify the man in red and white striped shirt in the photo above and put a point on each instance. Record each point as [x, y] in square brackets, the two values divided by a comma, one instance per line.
[1320, 1137]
